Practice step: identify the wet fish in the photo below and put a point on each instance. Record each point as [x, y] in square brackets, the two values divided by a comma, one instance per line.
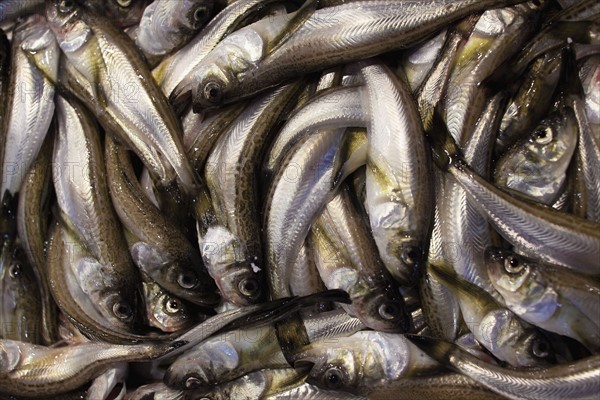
[29, 102]
[13, 9]
[551, 297]
[167, 25]
[372, 27]
[122, 13]
[575, 380]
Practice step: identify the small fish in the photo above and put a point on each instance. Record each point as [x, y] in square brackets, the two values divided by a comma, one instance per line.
[122, 13]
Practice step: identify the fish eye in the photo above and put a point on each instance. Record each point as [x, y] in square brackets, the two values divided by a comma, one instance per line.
[172, 306]
[543, 136]
[15, 270]
[122, 311]
[540, 348]
[249, 287]
[390, 310]
[513, 265]
[200, 15]
[65, 6]
[333, 378]
[187, 280]
[191, 382]
[124, 3]
[410, 255]
[212, 92]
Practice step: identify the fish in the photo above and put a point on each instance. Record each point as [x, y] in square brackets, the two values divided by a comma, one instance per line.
[122, 13]
[32, 228]
[103, 69]
[363, 362]
[372, 27]
[86, 209]
[21, 311]
[40, 371]
[420, 60]
[159, 249]
[29, 102]
[539, 231]
[496, 328]
[398, 187]
[347, 259]
[111, 384]
[550, 297]
[13, 9]
[232, 249]
[166, 26]
[575, 380]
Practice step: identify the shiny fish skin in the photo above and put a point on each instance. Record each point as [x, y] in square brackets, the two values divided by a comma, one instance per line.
[574, 380]
[399, 188]
[167, 25]
[12, 9]
[85, 204]
[373, 27]
[111, 78]
[30, 104]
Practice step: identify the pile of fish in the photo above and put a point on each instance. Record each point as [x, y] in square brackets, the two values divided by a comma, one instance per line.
[265, 199]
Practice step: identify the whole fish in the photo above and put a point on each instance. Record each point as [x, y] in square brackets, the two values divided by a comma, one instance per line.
[346, 258]
[84, 201]
[575, 380]
[106, 72]
[553, 298]
[167, 25]
[160, 249]
[29, 102]
[371, 27]
[363, 362]
[398, 184]
[232, 249]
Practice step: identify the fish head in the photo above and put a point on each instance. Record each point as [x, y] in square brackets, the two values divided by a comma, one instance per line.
[534, 350]
[508, 272]
[122, 13]
[194, 14]
[332, 366]
[64, 18]
[164, 311]
[409, 255]
[122, 307]
[211, 85]
[383, 310]
[191, 283]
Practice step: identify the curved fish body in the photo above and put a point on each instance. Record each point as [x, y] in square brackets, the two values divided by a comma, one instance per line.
[589, 73]
[497, 35]
[495, 328]
[335, 108]
[21, 306]
[160, 249]
[107, 73]
[84, 201]
[398, 184]
[465, 233]
[175, 70]
[575, 380]
[304, 277]
[329, 36]
[29, 102]
[530, 102]
[537, 165]
[32, 228]
[232, 249]
[363, 362]
[39, 371]
[553, 298]
[347, 259]
[167, 25]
